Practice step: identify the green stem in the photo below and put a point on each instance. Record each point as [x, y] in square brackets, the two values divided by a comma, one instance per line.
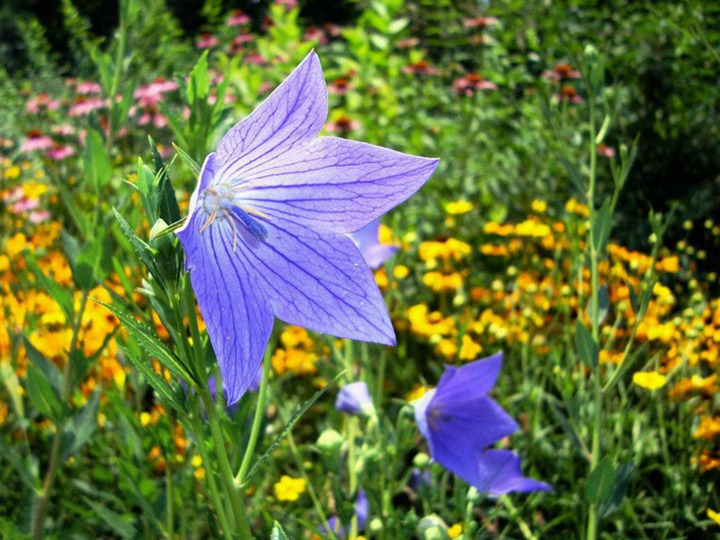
[521, 523]
[228, 479]
[592, 523]
[257, 422]
[197, 426]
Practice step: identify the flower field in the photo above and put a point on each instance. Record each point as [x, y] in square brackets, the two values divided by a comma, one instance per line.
[443, 270]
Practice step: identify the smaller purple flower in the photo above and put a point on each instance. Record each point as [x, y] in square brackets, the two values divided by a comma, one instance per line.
[459, 422]
[354, 399]
[368, 242]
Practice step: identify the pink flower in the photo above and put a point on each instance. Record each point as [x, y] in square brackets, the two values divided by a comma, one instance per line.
[207, 41]
[481, 22]
[84, 106]
[255, 58]
[149, 95]
[569, 94]
[408, 43]
[23, 205]
[37, 141]
[562, 72]
[38, 216]
[238, 18]
[605, 151]
[314, 33]
[154, 117]
[340, 86]
[13, 195]
[88, 87]
[289, 4]
[471, 82]
[421, 67]
[238, 43]
[63, 130]
[59, 152]
[342, 125]
[41, 102]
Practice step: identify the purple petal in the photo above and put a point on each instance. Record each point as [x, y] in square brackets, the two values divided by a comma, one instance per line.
[238, 319]
[292, 115]
[320, 282]
[471, 425]
[471, 380]
[367, 241]
[335, 184]
[498, 473]
[354, 399]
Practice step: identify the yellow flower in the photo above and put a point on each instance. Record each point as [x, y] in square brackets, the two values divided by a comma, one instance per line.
[15, 245]
[650, 380]
[469, 349]
[539, 206]
[12, 173]
[457, 208]
[4, 263]
[533, 228]
[455, 531]
[401, 271]
[715, 516]
[708, 429]
[196, 461]
[668, 264]
[289, 489]
[417, 392]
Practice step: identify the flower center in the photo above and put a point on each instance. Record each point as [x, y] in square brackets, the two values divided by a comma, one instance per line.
[216, 198]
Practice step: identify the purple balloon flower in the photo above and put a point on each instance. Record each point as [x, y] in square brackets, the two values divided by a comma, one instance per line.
[266, 233]
[459, 422]
[354, 399]
[367, 241]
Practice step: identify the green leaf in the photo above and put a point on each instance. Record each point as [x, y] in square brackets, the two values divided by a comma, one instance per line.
[199, 85]
[168, 395]
[600, 482]
[143, 250]
[78, 432]
[586, 347]
[97, 162]
[151, 344]
[9, 454]
[277, 532]
[50, 371]
[288, 427]
[187, 159]
[601, 227]
[117, 523]
[42, 395]
[622, 477]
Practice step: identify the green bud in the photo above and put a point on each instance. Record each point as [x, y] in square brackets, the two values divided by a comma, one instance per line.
[590, 54]
[421, 460]
[432, 527]
[375, 525]
[330, 443]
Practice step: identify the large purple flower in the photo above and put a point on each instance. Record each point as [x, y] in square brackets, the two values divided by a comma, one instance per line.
[459, 422]
[267, 228]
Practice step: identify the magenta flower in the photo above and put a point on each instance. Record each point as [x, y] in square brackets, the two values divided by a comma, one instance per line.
[36, 140]
[88, 87]
[60, 151]
[459, 422]
[368, 242]
[84, 106]
[238, 18]
[266, 233]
